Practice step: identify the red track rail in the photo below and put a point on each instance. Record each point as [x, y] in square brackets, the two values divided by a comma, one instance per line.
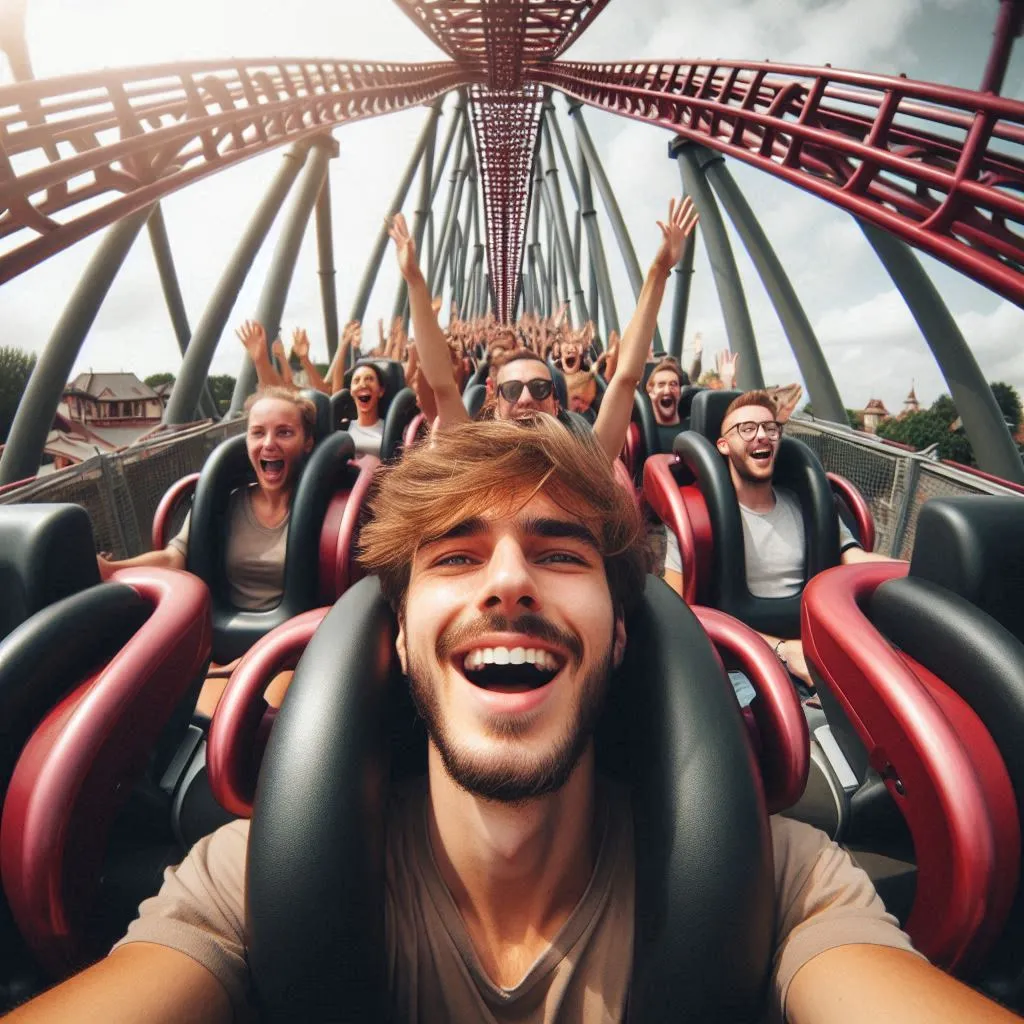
[941, 168]
[119, 140]
[506, 127]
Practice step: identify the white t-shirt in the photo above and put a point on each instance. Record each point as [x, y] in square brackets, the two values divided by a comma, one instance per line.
[367, 439]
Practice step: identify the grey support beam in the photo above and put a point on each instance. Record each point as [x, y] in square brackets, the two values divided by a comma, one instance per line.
[161, 246]
[32, 421]
[440, 253]
[282, 266]
[681, 299]
[362, 299]
[196, 365]
[982, 418]
[325, 262]
[611, 205]
[598, 262]
[821, 385]
[738, 327]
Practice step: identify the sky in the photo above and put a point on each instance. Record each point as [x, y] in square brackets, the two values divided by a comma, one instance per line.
[870, 339]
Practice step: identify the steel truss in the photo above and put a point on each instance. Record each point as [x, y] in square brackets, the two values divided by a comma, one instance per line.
[129, 137]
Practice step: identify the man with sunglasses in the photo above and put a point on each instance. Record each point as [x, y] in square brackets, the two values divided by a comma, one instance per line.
[773, 525]
[523, 385]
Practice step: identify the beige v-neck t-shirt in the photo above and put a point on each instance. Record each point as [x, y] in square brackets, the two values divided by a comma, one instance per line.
[822, 901]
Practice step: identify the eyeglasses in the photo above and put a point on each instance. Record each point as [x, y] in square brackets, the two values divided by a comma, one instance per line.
[538, 387]
[748, 429]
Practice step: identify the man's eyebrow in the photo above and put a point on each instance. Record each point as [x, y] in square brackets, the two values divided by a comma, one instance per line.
[467, 528]
[560, 529]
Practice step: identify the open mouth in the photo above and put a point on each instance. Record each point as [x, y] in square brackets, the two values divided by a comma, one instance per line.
[761, 454]
[363, 397]
[510, 669]
[666, 402]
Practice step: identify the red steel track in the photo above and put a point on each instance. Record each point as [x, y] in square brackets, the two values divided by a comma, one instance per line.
[941, 168]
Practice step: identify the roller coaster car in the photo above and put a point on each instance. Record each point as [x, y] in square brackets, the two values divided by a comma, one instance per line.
[692, 493]
[671, 729]
[922, 677]
[96, 688]
[397, 406]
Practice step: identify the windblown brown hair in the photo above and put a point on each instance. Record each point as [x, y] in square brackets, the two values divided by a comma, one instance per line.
[761, 398]
[494, 468]
[307, 410]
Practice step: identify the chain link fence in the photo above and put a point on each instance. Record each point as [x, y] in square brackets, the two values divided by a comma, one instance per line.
[121, 491]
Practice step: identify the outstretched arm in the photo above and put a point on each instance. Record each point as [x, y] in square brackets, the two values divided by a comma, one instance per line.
[254, 341]
[698, 356]
[617, 403]
[350, 338]
[300, 349]
[435, 363]
[285, 370]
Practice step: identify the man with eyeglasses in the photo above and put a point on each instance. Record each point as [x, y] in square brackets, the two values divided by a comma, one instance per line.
[773, 525]
[523, 385]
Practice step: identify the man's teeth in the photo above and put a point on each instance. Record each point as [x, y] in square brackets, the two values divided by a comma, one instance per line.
[542, 660]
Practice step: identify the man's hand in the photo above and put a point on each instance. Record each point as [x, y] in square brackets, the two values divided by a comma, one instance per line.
[682, 217]
[277, 349]
[793, 653]
[726, 363]
[300, 344]
[352, 336]
[254, 339]
[405, 248]
[698, 345]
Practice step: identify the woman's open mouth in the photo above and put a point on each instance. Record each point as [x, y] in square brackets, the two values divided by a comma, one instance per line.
[272, 468]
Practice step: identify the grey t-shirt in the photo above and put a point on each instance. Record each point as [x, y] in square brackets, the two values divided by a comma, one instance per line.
[367, 439]
[254, 555]
[775, 546]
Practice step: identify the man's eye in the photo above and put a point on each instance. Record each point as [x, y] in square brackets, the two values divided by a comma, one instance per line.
[453, 560]
[563, 558]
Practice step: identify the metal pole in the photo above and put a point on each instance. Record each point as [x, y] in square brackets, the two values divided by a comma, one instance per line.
[553, 124]
[589, 151]
[572, 289]
[282, 265]
[1008, 27]
[598, 261]
[983, 420]
[422, 214]
[456, 236]
[594, 305]
[681, 299]
[738, 327]
[161, 246]
[362, 299]
[45, 387]
[325, 257]
[449, 213]
[196, 364]
[821, 385]
[457, 115]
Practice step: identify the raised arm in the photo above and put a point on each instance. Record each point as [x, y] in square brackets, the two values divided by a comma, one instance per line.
[698, 355]
[254, 339]
[617, 403]
[350, 338]
[435, 363]
[300, 349]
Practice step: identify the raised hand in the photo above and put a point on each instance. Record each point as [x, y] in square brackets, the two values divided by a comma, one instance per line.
[352, 335]
[277, 349]
[786, 399]
[405, 247]
[726, 363]
[254, 339]
[300, 344]
[698, 345]
[682, 217]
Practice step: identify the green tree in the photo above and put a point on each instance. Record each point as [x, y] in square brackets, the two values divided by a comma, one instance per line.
[1009, 402]
[154, 380]
[16, 367]
[223, 387]
[944, 408]
[926, 428]
[853, 416]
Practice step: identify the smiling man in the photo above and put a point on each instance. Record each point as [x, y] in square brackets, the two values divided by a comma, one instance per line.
[511, 556]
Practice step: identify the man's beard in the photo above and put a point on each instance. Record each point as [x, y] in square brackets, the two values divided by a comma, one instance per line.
[740, 465]
[511, 778]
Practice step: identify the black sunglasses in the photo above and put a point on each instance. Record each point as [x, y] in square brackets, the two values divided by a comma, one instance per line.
[538, 387]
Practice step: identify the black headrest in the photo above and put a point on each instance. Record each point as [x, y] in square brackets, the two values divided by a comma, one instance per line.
[324, 415]
[687, 393]
[479, 375]
[648, 370]
[708, 410]
[974, 546]
[797, 469]
[474, 398]
[671, 730]
[46, 553]
[227, 469]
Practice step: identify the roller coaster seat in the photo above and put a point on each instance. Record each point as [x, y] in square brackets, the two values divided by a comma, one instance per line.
[687, 393]
[319, 547]
[110, 668]
[672, 730]
[694, 495]
[924, 689]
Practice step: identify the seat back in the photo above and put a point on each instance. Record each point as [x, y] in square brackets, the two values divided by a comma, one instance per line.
[120, 657]
[671, 729]
[324, 415]
[46, 553]
[687, 393]
[796, 468]
[227, 469]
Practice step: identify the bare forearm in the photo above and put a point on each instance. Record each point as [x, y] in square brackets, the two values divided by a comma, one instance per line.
[137, 984]
[266, 373]
[337, 369]
[165, 558]
[852, 984]
[434, 360]
[313, 376]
